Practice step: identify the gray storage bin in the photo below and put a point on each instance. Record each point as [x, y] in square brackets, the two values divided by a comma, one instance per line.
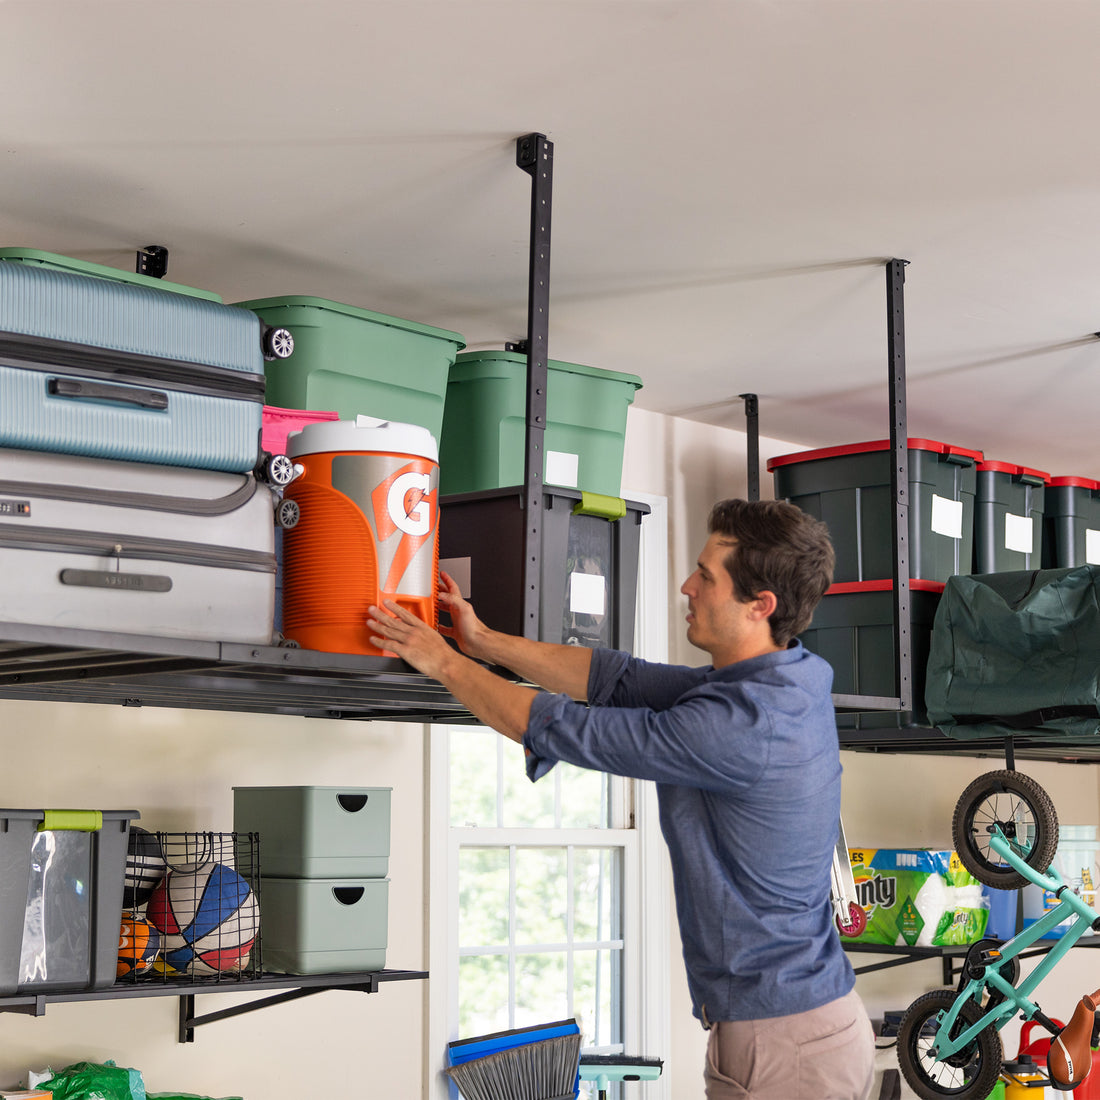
[325, 925]
[317, 832]
[61, 879]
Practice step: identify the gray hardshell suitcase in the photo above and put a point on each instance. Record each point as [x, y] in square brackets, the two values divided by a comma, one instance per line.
[134, 548]
[118, 367]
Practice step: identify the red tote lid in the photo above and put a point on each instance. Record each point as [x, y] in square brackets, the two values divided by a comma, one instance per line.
[1013, 469]
[914, 444]
[915, 584]
[1075, 482]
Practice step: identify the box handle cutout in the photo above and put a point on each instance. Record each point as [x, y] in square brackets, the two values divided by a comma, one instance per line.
[353, 803]
[347, 895]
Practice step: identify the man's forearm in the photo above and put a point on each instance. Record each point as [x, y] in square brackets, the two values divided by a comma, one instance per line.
[496, 702]
[559, 668]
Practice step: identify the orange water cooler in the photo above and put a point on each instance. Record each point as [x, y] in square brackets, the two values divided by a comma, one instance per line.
[366, 531]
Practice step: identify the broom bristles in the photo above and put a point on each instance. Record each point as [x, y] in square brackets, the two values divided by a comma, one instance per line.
[542, 1070]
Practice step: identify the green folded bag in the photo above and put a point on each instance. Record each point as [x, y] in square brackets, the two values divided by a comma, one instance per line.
[1017, 653]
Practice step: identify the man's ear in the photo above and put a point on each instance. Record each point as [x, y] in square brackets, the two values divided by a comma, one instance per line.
[764, 604]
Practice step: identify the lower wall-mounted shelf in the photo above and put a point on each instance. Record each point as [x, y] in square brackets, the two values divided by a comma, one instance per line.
[932, 741]
[293, 986]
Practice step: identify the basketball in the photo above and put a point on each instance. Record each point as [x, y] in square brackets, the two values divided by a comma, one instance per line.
[208, 918]
[145, 867]
[138, 947]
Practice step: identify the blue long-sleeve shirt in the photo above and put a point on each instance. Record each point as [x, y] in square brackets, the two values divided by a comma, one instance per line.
[747, 768]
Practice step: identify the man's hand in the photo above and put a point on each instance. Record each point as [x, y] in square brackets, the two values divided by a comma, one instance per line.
[401, 632]
[467, 629]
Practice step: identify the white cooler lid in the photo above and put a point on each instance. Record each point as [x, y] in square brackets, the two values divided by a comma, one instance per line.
[364, 433]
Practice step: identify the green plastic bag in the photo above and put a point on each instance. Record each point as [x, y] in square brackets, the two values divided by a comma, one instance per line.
[95, 1081]
[1017, 652]
[186, 1096]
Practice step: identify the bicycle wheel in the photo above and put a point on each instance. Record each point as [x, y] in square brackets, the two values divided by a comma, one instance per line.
[968, 1075]
[1026, 816]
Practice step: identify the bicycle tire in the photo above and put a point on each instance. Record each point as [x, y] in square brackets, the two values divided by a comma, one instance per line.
[1025, 813]
[969, 1075]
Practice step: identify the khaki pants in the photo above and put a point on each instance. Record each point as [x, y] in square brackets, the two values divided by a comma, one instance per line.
[827, 1053]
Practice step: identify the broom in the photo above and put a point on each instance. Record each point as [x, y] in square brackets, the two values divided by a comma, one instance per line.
[536, 1069]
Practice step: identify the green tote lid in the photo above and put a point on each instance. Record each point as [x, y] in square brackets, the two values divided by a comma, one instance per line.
[51, 260]
[505, 362]
[259, 305]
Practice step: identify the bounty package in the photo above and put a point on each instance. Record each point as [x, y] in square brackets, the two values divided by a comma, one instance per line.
[917, 897]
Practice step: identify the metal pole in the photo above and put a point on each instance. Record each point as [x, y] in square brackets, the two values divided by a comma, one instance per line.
[752, 428]
[535, 155]
[899, 482]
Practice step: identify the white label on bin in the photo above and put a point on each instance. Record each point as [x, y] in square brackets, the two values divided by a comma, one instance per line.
[587, 594]
[562, 468]
[947, 517]
[1092, 547]
[458, 569]
[1019, 533]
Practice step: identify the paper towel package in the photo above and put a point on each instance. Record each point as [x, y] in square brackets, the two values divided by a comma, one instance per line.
[917, 897]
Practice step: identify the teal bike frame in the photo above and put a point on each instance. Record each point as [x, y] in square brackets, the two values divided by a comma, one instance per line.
[1016, 998]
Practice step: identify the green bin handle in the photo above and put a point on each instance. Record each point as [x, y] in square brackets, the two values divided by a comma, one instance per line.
[596, 504]
[81, 821]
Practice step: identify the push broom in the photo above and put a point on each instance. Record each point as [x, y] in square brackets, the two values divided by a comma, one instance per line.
[531, 1063]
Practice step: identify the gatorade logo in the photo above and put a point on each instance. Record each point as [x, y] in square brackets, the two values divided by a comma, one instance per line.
[407, 504]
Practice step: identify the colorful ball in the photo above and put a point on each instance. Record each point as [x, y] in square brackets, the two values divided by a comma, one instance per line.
[145, 867]
[208, 917]
[138, 946]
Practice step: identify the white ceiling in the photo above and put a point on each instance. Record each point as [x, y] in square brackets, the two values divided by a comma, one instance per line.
[730, 176]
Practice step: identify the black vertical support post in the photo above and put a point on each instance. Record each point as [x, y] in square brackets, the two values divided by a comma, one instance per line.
[752, 429]
[535, 155]
[899, 482]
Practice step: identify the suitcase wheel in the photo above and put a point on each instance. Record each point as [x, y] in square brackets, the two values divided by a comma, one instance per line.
[279, 470]
[287, 513]
[277, 343]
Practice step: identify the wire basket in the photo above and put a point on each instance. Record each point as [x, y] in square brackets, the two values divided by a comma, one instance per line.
[191, 909]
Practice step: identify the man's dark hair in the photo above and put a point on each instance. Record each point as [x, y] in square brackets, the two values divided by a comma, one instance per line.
[781, 549]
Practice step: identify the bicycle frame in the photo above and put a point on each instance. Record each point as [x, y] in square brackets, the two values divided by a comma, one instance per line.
[1016, 998]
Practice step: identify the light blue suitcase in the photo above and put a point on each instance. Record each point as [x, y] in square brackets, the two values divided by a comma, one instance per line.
[98, 362]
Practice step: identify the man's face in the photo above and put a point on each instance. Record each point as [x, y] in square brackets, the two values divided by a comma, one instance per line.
[715, 615]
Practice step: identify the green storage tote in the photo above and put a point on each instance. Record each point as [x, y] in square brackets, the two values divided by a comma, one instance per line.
[317, 832]
[55, 262]
[848, 488]
[61, 881]
[484, 424]
[853, 629]
[324, 925]
[1008, 518]
[588, 580]
[357, 362]
[1071, 522]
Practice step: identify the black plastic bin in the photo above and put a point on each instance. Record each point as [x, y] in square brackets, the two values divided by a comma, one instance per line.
[589, 571]
[1008, 518]
[1071, 523]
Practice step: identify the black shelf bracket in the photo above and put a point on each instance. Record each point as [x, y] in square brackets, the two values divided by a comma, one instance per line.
[535, 155]
[752, 431]
[152, 260]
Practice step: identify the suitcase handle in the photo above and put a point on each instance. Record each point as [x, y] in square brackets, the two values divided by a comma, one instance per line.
[96, 391]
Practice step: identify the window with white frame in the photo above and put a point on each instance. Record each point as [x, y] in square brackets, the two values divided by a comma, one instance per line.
[550, 906]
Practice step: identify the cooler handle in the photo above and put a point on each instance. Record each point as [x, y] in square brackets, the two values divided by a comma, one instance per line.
[95, 391]
[596, 504]
[81, 821]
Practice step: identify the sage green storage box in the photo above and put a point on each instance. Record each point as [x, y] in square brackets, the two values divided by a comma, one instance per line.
[484, 424]
[848, 488]
[853, 629]
[55, 262]
[61, 880]
[1008, 518]
[317, 832]
[358, 362]
[324, 925]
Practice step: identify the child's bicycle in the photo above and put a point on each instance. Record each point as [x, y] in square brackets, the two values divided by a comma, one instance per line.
[1005, 831]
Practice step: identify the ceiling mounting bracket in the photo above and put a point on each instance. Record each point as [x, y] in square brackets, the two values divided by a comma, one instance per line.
[152, 260]
[752, 431]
